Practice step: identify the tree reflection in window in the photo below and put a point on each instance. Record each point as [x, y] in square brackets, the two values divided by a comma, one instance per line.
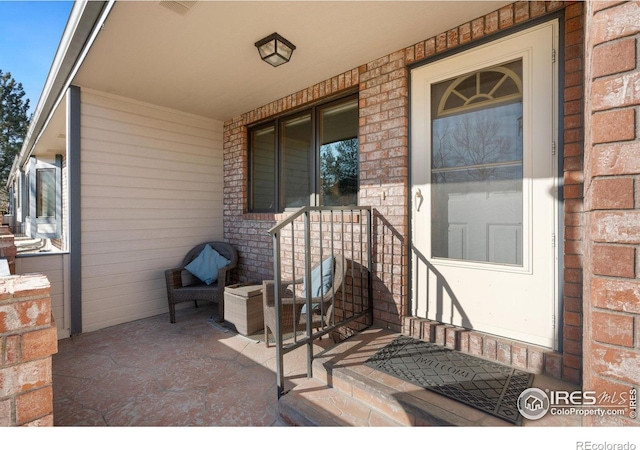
[338, 138]
[308, 158]
[339, 173]
[476, 165]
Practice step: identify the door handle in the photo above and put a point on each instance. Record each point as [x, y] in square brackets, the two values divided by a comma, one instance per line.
[419, 199]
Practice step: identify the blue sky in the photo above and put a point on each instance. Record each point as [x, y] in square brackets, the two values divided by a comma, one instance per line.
[29, 35]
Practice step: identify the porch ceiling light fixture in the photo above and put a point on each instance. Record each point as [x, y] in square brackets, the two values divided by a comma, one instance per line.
[275, 50]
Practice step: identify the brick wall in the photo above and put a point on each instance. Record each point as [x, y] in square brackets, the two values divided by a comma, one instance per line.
[384, 180]
[612, 202]
[572, 192]
[246, 231]
[28, 338]
[383, 86]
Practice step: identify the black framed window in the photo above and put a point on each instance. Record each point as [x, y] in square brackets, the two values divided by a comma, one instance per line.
[309, 158]
[263, 168]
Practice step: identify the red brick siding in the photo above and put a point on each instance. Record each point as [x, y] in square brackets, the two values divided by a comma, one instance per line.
[384, 172]
[573, 178]
[614, 57]
[247, 231]
[384, 169]
[612, 204]
[28, 338]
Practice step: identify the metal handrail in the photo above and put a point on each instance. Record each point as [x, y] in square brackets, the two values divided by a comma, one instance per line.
[348, 315]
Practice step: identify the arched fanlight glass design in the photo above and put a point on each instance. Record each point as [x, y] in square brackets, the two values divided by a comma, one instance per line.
[479, 89]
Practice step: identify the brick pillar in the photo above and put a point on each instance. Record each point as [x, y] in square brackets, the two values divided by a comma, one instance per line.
[612, 202]
[384, 181]
[573, 191]
[8, 247]
[28, 338]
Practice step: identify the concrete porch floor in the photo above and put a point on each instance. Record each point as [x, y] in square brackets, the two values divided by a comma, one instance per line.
[153, 373]
[192, 373]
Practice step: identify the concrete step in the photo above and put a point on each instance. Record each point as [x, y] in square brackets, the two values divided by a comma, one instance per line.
[313, 403]
[345, 392]
[397, 400]
[342, 393]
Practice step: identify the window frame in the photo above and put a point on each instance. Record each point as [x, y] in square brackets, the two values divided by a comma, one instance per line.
[45, 185]
[250, 157]
[314, 158]
[280, 188]
[49, 227]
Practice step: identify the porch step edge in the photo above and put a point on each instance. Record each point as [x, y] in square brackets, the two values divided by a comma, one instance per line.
[313, 403]
[408, 405]
[400, 406]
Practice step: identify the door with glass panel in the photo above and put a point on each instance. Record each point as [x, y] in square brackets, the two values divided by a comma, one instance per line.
[484, 190]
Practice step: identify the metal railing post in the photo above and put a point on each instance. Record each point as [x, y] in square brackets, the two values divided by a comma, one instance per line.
[369, 264]
[278, 307]
[307, 266]
[350, 313]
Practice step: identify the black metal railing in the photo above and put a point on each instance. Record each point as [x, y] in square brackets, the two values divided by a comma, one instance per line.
[301, 243]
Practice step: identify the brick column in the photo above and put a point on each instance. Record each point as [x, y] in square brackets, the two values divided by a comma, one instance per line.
[612, 203]
[573, 191]
[384, 181]
[28, 338]
[8, 247]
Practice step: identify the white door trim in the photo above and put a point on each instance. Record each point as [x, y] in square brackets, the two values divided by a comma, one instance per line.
[540, 224]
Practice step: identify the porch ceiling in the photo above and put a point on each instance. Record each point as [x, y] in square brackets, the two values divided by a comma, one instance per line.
[205, 62]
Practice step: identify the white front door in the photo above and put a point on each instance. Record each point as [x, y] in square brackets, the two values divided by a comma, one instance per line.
[484, 188]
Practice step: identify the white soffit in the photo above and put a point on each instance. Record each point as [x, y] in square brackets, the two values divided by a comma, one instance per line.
[199, 57]
[54, 137]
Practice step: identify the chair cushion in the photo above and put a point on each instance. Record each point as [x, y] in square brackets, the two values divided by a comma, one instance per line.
[206, 265]
[321, 278]
[321, 282]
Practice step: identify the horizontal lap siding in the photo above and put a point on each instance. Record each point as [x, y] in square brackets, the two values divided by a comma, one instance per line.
[55, 267]
[151, 189]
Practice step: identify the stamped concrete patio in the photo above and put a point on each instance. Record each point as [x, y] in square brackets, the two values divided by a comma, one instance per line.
[151, 373]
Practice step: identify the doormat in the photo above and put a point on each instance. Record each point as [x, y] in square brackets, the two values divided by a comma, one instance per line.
[488, 386]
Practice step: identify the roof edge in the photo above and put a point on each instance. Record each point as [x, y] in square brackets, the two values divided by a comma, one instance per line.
[84, 18]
